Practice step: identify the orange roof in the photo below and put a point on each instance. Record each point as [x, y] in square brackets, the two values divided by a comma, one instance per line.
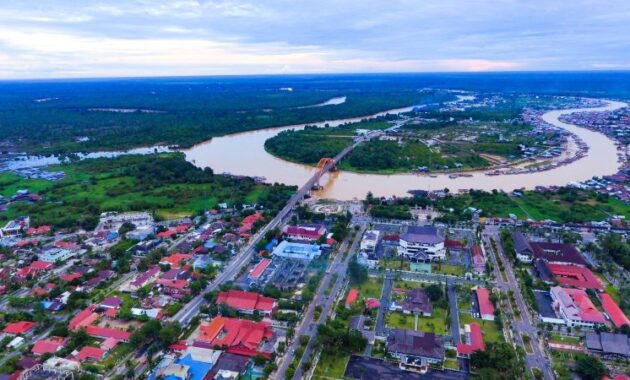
[175, 258]
[235, 333]
[16, 328]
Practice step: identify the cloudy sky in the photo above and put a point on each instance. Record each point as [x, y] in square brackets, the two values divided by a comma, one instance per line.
[89, 38]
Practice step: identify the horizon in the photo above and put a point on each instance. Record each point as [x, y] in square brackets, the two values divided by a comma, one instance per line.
[162, 38]
[314, 74]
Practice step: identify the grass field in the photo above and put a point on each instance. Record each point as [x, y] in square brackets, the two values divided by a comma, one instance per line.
[166, 185]
[437, 323]
[331, 366]
[453, 270]
[371, 288]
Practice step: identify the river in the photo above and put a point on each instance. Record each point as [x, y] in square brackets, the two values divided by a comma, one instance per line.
[244, 154]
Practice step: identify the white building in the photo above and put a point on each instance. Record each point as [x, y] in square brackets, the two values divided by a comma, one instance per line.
[422, 243]
[56, 254]
[575, 307]
[297, 250]
[370, 240]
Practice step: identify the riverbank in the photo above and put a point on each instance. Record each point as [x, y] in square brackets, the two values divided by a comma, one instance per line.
[244, 154]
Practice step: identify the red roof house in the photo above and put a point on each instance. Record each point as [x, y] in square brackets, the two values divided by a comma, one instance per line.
[372, 303]
[175, 259]
[486, 307]
[259, 269]
[474, 340]
[17, 328]
[309, 232]
[614, 311]
[48, 345]
[90, 353]
[105, 332]
[84, 318]
[247, 302]
[70, 277]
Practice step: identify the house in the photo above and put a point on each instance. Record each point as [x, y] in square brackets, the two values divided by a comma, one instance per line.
[176, 260]
[297, 250]
[309, 232]
[175, 288]
[229, 366]
[523, 250]
[111, 303]
[144, 278]
[19, 328]
[607, 344]
[422, 243]
[613, 311]
[34, 269]
[237, 336]
[15, 227]
[415, 348]
[416, 302]
[474, 340]
[106, 332]
[247, 302]
[48, 345]
[194, 363]
[83, 318]
[88, 353]
[258, 270]
[575, 307]
[478, 260]
[486, 307]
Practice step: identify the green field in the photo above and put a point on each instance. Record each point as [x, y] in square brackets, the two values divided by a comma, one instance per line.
[371, 288]
[164, 184]
[331, 366]
[438, 322]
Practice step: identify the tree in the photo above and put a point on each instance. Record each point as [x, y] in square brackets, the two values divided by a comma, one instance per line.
[358, 274]
[434, 292]
[498, 361]
[590, 367]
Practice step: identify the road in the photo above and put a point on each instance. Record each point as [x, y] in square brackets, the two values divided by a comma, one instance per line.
[379, 328]
[307, 326]
[524, 326]
[452, 299]
[185, 315]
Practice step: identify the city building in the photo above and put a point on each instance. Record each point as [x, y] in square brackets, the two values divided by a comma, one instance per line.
[558, 253]
[15, 227]
[575, 307]
[57, 255]
[370, 240]
[309, 232]
[422, 243]
[523, 250]
[575, 276]
[298, 251]
[247, 302]
[478, 260]
[415, 349]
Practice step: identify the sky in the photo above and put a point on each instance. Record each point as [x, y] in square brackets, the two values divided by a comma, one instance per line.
[89, 38]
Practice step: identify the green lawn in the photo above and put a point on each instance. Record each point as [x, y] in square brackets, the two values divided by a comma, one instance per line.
[372, 288]
[331, 366]
[394, 264]
[438, 323]
[565, 339]
[451, 364]
[453, 270]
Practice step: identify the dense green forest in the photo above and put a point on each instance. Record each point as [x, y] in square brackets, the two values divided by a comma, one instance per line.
[166, 184]
[90, 116]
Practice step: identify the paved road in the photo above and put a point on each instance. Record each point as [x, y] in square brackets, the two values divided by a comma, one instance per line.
[452, 299]
[380, 329]
[525, 326]
[307, 326]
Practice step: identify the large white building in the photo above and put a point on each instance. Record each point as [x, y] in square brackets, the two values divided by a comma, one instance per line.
[297, 250]
[56, 254]
[422, 243]
[370, 240]
[575, 307]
